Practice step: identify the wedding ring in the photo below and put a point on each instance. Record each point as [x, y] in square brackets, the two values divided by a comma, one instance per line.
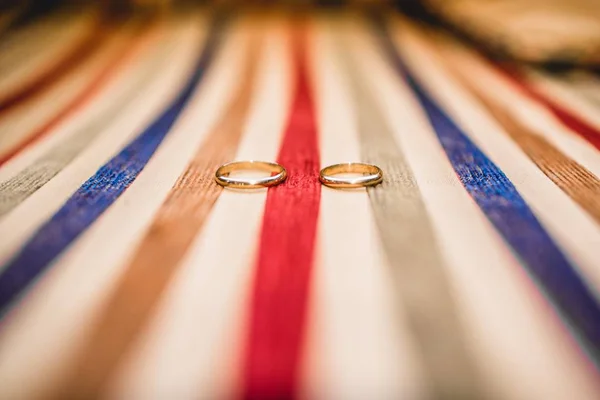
[371, 175]
[222, 175]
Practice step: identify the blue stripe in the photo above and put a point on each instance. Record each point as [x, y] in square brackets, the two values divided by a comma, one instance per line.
[99, 191]
[497, 197]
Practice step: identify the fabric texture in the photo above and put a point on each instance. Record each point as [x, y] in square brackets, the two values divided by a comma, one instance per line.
[126, 271]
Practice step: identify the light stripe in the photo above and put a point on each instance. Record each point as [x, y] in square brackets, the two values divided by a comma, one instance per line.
[568, 119]
[23, 122]
[529, 112]
[27, 52]
[575, 230]
[99, 192]
[358, 346]
[82, 48]
[421, 285]
[153, 98]
[575, 180]
[82, 98]
[29, 36]
[584, 84]
[567, 94]
[530, 359]
[507, 211]
[117, 94]
[16, 189]
[279, 301]
[159, 254]
[192, 347]
[94, 263]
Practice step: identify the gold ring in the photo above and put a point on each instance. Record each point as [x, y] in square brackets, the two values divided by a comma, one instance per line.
[372, 175]
[222, 175]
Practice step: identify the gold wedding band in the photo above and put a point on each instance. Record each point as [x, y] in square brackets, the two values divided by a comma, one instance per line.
[222, 175]
[371, 175]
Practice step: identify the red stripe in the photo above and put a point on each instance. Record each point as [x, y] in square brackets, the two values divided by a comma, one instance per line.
[567, 118]
[82, 99]
[278, 308]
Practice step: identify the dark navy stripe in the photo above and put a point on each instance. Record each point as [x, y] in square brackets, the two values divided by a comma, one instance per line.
[99, 191]
[497, 197]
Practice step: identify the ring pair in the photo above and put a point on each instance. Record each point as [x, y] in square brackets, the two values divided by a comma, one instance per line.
[370, 175]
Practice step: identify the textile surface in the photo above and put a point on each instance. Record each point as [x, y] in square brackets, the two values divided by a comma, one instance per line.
[126, 271]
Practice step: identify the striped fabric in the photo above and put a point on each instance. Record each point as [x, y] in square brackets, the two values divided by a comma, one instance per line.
[472, 271]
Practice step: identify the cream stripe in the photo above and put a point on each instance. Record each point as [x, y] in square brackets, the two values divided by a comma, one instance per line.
[57, 40]
[565, 96]
[121, 87]
[418, 268]
[132, 303]
[44, 168]
[79, 282]
[581, 185]
[29, 115]
[531, 114]
[37, 39]
[24, 219]
[571, 226]
[521, 355]
[586, 84]
[191, 349]
[359, 347]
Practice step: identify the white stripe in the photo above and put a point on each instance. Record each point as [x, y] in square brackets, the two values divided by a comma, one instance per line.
[566, 96]
[531, 114]
[20, 223]
[523, 354]
[520, 353]
[358, 348]
[575, 231]
[35, 44]
[193, 346]
[20, 121]
[115, 88]
[52, 320]
[586, 84]
[61, 35]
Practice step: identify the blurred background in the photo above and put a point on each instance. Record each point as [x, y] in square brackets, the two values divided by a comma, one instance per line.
[556, 33]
